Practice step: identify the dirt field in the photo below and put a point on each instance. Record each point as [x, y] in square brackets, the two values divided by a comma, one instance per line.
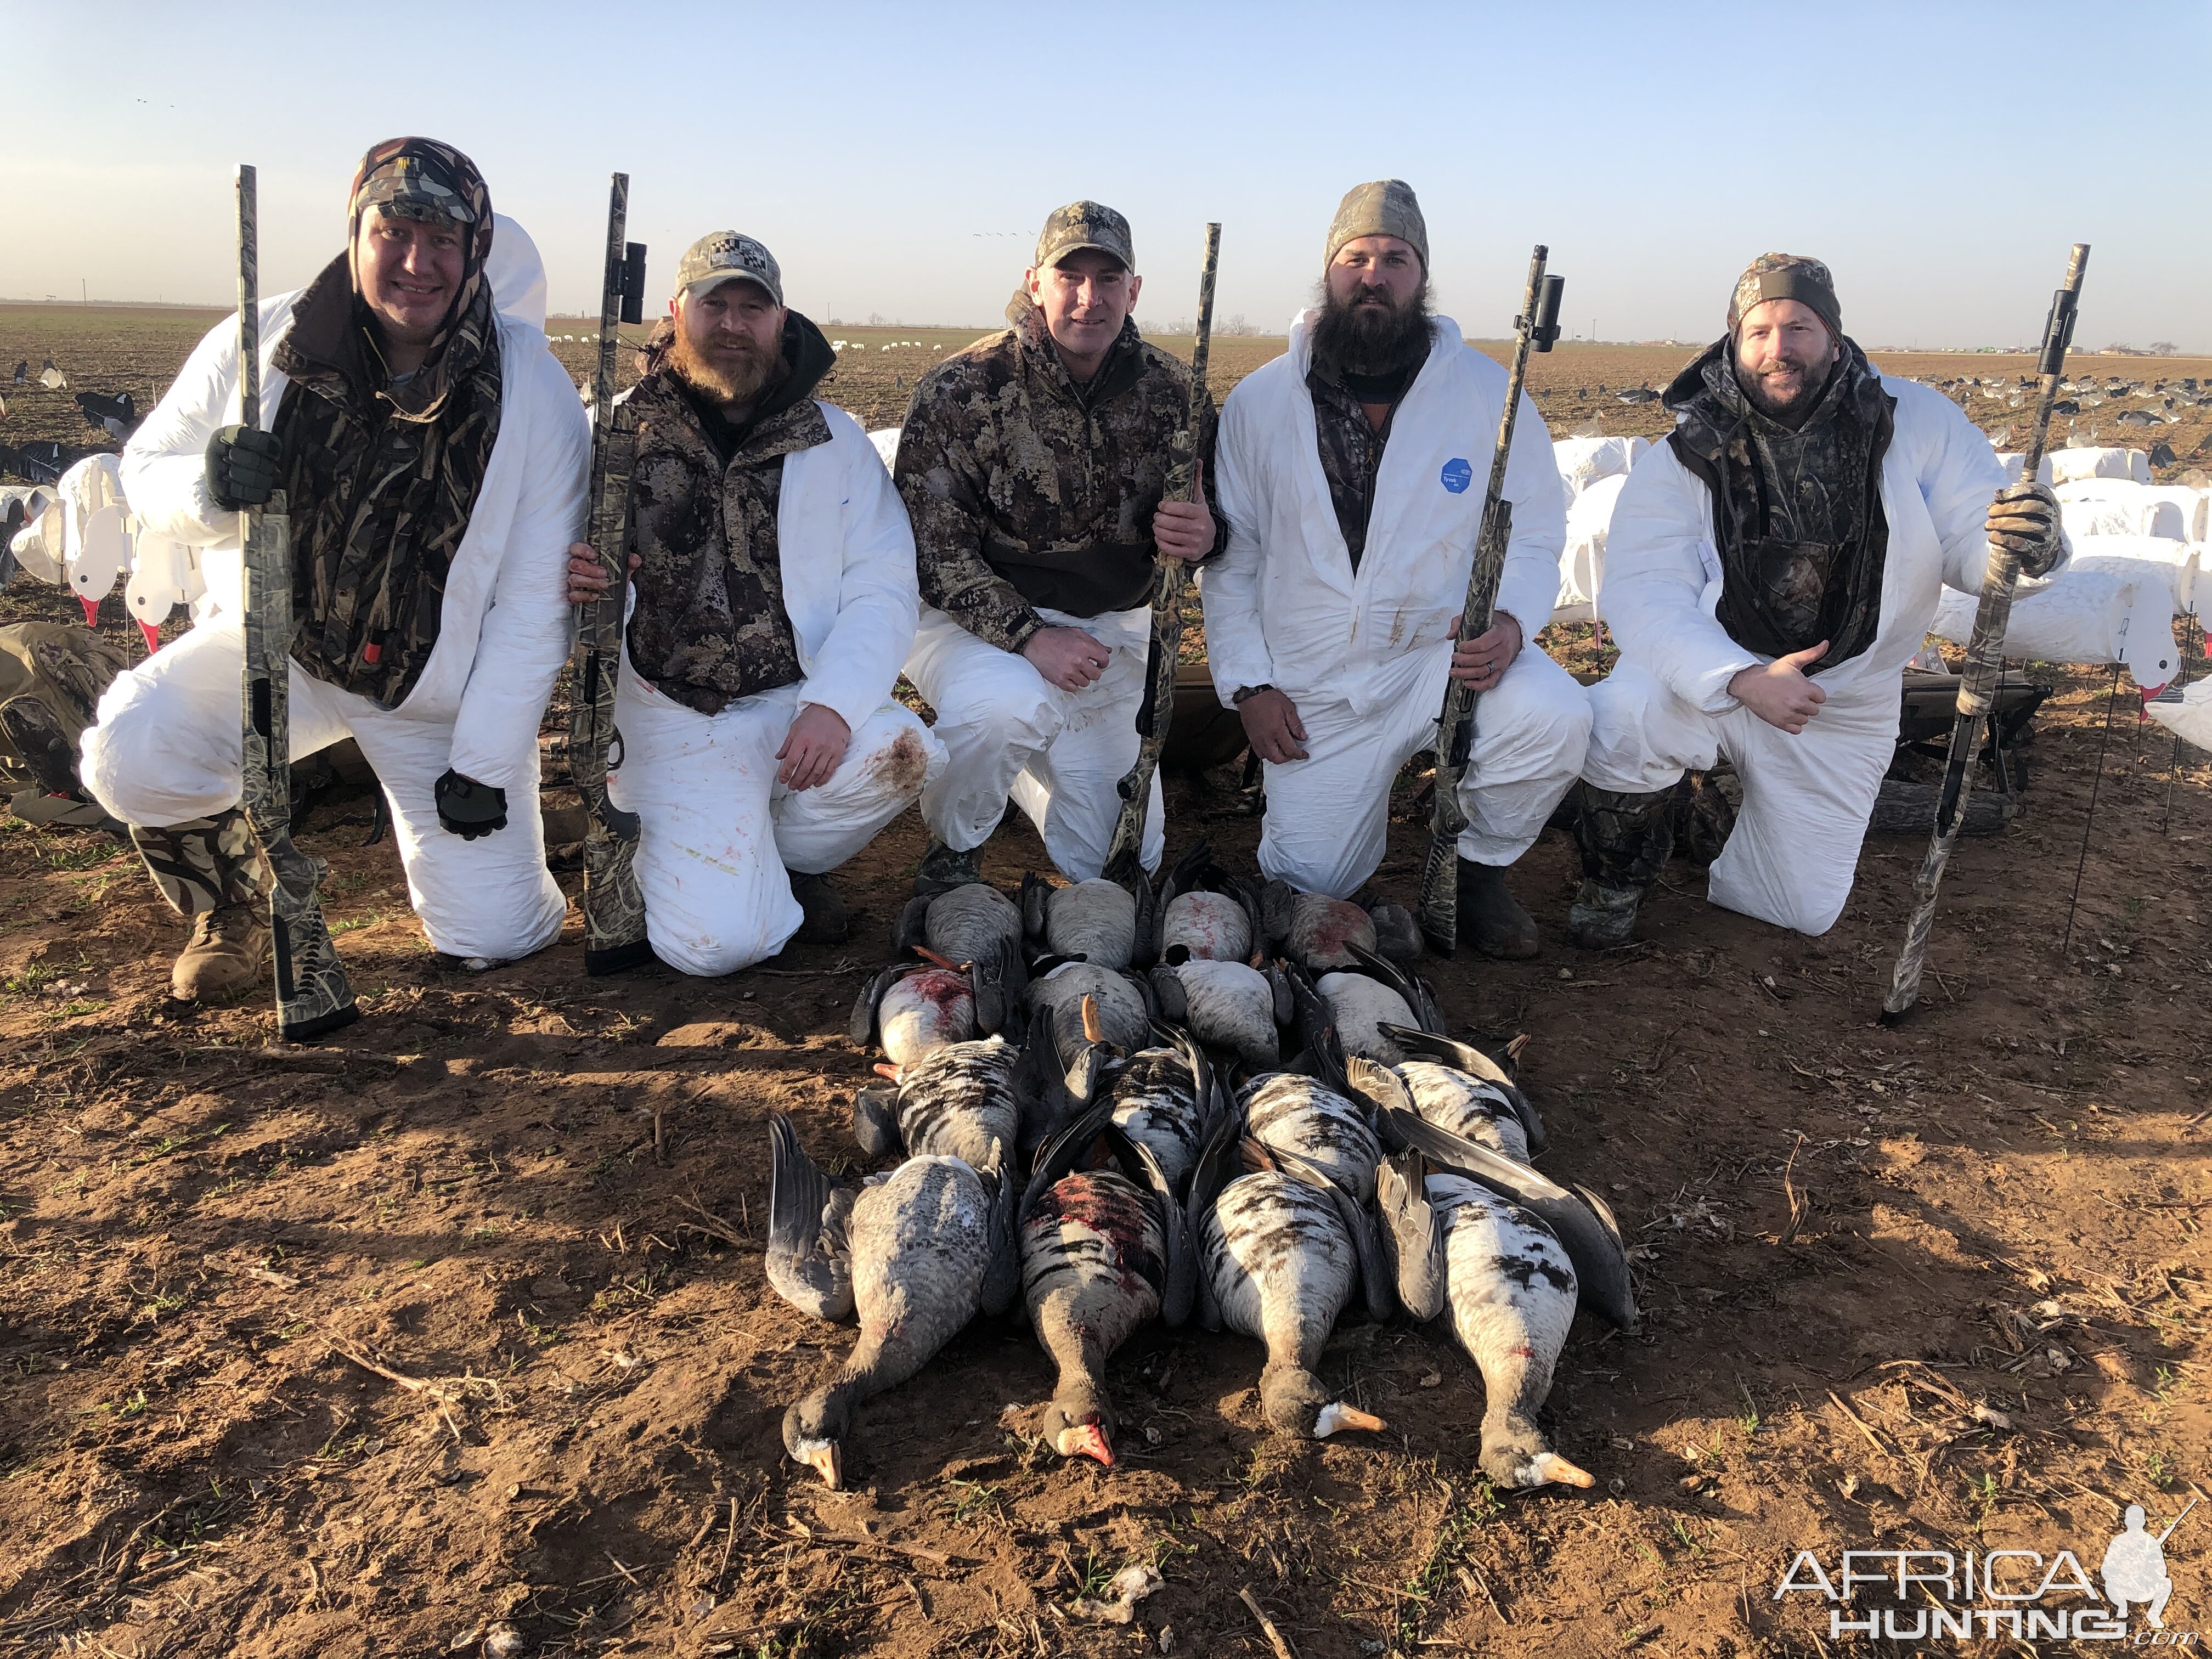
[462, 1319]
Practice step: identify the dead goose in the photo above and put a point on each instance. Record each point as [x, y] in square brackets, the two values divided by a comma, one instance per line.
[1282, 1252]
[911, 1008]
[1362, 1006]
[1310, 1121]
[1420, 998]
[1227, 1005]
[923, 1251]
[1478, 1066]
[1166, 1098]
[1450, 1099]
[1582, 1221]
[959, 1100]
[1313, 929]
[1124, 1019]
[1206, 913]
[976, 926]
[1511, 1289]
[1103, 1252]
[1096, 921]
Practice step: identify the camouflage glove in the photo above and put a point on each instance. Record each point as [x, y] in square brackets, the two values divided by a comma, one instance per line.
[2024, 522]
[469, 809]
[242, 467]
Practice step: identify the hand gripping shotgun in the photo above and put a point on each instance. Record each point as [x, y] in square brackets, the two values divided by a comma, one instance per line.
[1124, 852]
[1535, 329]
[313, 996]
[1977, 686]
[614, 906]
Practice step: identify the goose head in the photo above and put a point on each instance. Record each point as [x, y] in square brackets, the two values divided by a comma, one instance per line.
[814, 1431]
[1078, 1423]
[1514, 1455]
[1295, 1401]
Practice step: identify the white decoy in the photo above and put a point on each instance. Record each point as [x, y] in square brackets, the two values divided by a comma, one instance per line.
[2185, 711]
[1510, 1290]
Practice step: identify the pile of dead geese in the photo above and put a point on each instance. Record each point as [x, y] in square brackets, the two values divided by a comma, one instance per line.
[1216, 1098]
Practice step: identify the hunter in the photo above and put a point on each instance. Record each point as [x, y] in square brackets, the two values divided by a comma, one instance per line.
[432, 457]
[1352, 473]
[1033, 463]
[1770, 568]
[773, 601]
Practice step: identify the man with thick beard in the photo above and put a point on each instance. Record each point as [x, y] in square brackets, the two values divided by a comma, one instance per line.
[1770, 570]
[432, 459]
[1350, 475]
[773, 600]
[1034, 463]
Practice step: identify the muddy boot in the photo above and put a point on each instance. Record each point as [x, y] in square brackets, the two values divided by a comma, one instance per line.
[228, 956]
[942, 870]
[828, 921]
[1490, 916]
[1626, 839]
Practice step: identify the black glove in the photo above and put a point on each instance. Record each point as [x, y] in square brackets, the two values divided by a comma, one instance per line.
[2024, 521]
[242, 467]
[467, 808]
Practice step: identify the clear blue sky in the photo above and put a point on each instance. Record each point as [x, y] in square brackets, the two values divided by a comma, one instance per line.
[900, 158]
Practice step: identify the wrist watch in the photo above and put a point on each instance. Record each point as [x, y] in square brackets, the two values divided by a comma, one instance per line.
[1241, 692]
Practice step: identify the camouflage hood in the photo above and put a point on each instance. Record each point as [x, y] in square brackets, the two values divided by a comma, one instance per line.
[1797, 515]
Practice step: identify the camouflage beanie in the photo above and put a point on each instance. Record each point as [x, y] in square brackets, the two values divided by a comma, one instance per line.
[1786, 276]
[1385, 207]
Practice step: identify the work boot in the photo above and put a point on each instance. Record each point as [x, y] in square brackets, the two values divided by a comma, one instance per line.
[1490, 916]
[942, 870]
[1626, 838]
[1603, 918]
[228, 955]
[828, 921]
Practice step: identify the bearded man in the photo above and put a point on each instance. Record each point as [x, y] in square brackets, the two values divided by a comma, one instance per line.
[1770, 570]
[433, 459]
[1350, 470]
[773, 601]
[1034, 464]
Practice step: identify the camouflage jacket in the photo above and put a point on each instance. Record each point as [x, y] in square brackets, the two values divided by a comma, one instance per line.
[1026, 489]
[1351, 452]
[710, 626]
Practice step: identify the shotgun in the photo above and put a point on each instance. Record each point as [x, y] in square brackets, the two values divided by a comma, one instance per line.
[614, 905]
[1124, 862]
[1978, 685]
[1535, 330]
[313, 996]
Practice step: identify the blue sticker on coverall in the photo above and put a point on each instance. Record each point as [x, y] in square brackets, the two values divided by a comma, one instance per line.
[1458, 475]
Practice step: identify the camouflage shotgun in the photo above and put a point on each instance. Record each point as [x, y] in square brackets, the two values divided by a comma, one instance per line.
[1124, 853]
[313, 996]
[614, 906]
[1535, 330]
[1978, 685]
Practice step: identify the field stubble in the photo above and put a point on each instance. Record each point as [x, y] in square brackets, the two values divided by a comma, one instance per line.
[462, 1319]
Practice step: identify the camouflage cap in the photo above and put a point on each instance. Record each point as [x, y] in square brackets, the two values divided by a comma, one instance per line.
[1080, 225]
[1386, 207]
[414, 186]
[724, 256]
[1786, 276]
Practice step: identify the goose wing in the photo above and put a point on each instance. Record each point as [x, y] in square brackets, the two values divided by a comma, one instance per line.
[809, 1261]
[1431, 1045]
[1407, 984]
[1374, 1270]
[1584, 1224]
[1413, 1233]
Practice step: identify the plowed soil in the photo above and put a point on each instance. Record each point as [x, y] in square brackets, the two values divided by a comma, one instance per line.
[460, 1319]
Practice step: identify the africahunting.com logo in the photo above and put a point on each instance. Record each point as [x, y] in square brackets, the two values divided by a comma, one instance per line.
[1978, 1595]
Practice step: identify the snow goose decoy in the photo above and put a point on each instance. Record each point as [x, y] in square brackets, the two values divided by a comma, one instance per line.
[1282, 1250]
[1504, 1278]
[919, 1253]
[1103, 1252]
[1582, 1221]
